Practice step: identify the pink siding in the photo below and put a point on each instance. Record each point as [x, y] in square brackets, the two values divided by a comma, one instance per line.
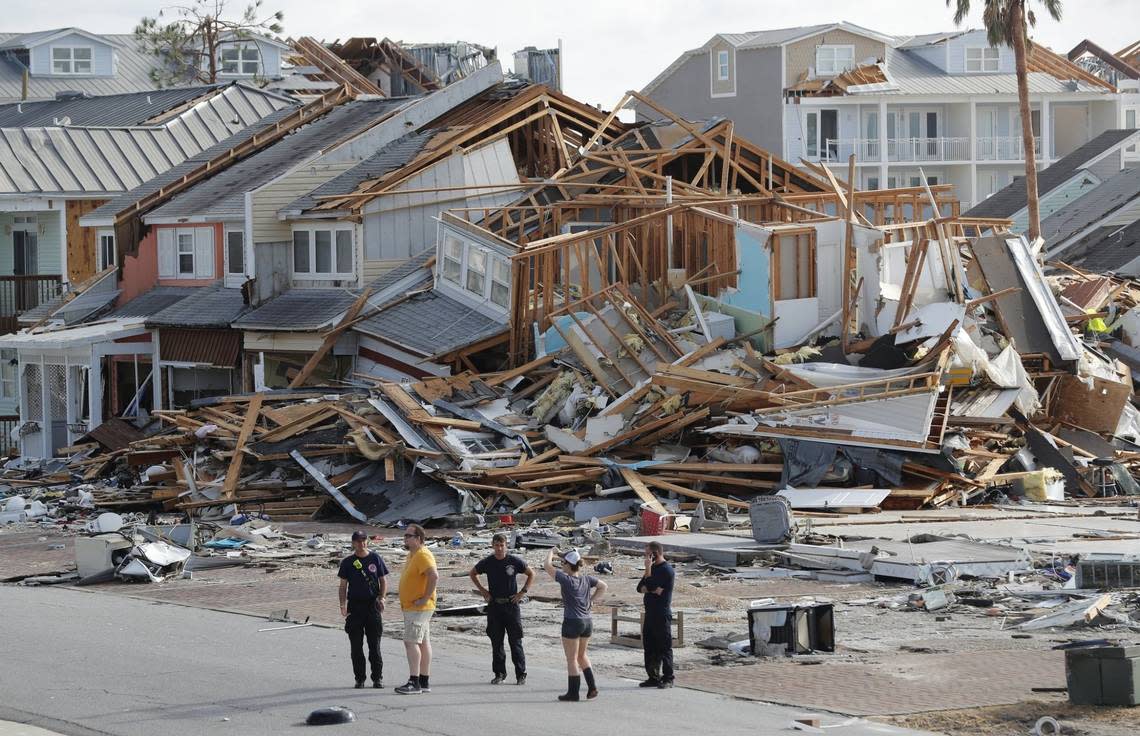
[140, 272]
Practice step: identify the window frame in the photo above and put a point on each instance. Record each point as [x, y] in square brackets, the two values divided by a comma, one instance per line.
[311, 233]
[802, 244]
[982, 60]
[835, 68]
[72, 61]
[102, 262]
[179, 272]
[481, 255]
[505, 284]
[229, 270]
[1130, 151]
[239, 68]
[495, 264]
[723, 65]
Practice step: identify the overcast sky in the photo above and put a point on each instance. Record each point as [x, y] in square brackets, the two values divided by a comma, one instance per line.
[610, 46]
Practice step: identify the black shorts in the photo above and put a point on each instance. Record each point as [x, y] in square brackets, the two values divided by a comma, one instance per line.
[577, 628]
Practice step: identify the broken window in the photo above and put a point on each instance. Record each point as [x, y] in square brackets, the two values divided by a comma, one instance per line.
[480, 444]
[452, 258]
[500, 282]
[793, 267]
[70, 60]
[476, 271]
[834, 59]
[982, 59]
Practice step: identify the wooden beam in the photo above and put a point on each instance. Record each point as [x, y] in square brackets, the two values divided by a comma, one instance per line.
[233, 472]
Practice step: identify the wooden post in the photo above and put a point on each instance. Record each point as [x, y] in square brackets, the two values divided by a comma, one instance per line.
[253, 410]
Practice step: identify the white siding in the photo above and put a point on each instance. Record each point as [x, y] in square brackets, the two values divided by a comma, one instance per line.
[102, 59]
[935, 54]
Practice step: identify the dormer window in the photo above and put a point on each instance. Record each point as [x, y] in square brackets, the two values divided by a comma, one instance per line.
[831, 60]
[71, 59]
[982, 59]
[240, 60]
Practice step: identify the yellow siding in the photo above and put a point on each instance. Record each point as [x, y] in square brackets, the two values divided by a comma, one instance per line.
[272, 342]
[801, 54]
[267, 228]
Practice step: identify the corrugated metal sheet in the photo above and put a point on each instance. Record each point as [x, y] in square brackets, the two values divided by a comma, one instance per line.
[915, 76]
[135, 108]
[98, 160]
[219, 348]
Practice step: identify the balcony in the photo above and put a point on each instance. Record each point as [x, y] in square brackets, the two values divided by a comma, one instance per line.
[898, 149]
[20, 293]
[1006, 148]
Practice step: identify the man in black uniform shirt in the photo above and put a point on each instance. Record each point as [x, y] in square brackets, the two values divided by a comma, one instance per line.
[363, 585]
[503, 614]
[657, 630]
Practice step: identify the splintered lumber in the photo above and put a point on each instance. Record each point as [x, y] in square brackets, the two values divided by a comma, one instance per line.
[319, 414]
[330, 339]
[638, 485]
[233, 473]
[681, 490]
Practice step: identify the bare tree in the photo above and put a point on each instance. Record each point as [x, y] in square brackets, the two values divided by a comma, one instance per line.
[188, 45]
[1008, 22]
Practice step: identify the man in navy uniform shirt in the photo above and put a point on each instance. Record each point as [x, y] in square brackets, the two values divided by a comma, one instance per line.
[503, 615]
[656, 585]
[363, 585]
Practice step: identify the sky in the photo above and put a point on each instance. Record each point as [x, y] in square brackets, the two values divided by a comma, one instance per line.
[609, 46]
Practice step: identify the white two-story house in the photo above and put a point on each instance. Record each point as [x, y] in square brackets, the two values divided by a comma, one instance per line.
[945, 103]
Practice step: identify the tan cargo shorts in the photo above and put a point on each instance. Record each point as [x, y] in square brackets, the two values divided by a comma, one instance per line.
[417, 626]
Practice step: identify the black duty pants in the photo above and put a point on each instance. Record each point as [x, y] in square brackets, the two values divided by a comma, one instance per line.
[364, 622]
[657, 640]
[505, 618]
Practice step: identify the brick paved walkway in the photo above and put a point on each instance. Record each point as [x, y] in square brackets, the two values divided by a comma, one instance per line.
[906, 683]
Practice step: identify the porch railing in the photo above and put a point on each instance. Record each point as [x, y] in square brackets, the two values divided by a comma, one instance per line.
[928, 149]
[1004, 148]
[18, 294]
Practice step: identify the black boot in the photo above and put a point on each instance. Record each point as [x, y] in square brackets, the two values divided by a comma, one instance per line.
[591, 686]
[573, 687]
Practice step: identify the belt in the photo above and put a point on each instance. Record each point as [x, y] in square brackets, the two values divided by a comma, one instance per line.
[501, 600]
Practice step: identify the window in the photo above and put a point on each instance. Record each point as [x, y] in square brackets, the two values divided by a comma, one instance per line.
[71, 60]
[323, 253]
[872, 182]
[235, 252]
[301, 251]
[811, 134]
[8, 366]
[793, 264]
[243, 60]
[452, 258]
[722, 65]
[476, 270]
[500, 282]
[982, 59]
[831, 60]
[106, 252]
[186, 253]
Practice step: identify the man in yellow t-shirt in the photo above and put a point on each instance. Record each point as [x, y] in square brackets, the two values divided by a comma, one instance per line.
[417, 599]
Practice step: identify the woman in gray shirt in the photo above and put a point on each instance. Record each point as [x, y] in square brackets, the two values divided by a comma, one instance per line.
[578, 595]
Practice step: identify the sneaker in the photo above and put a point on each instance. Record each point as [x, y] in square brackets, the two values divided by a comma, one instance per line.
[664, 684]
[498, 679]
[359, 684]
[651, 682]
[520, 680]
[378, 684]
[424, 686]
[409, 688]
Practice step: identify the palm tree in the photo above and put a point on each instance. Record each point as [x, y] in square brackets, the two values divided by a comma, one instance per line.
[1007, 22]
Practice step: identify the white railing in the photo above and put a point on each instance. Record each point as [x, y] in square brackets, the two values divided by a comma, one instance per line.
[1004, 148]
[928, 149]
[865, 149]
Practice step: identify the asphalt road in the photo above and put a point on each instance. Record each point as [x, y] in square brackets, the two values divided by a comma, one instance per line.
[84, 663]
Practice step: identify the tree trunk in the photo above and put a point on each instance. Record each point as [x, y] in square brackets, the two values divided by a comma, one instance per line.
[1019, 54]
[212, 50]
